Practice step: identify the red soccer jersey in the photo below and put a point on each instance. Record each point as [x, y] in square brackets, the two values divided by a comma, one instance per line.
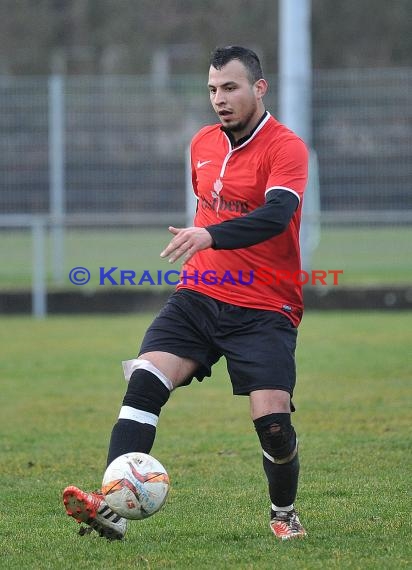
[230, 182]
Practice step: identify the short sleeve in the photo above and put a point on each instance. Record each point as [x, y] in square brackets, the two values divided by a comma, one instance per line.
[289, 167]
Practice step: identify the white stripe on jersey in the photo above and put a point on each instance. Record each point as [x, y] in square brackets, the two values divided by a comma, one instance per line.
[283, 188]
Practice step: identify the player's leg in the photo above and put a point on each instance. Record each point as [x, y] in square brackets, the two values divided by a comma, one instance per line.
[260, 350]
[173, 350]
[149, 387]
[151, 378]
[270, 411]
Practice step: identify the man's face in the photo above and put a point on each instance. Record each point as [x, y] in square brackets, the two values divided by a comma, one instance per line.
[236, 101]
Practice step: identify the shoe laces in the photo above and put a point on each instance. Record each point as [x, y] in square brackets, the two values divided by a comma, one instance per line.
[97, 498]
[289, 519]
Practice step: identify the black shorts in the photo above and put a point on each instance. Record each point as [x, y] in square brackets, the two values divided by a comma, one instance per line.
[259, 345]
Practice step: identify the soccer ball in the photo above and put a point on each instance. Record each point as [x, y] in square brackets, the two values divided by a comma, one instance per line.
[135, 485]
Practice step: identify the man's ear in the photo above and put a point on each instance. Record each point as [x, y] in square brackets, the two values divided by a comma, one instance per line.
[260, 88]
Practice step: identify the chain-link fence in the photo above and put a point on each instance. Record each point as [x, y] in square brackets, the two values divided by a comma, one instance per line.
[121, 143]
[363, 136]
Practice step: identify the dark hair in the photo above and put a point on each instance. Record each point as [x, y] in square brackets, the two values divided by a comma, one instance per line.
[222, 56]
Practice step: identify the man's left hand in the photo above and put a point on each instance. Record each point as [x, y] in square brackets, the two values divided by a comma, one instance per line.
[186, 242]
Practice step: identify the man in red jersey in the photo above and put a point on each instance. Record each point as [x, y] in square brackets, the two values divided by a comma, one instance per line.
[234, 298]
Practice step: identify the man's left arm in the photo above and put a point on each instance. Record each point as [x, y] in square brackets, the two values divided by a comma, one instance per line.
[265, 222]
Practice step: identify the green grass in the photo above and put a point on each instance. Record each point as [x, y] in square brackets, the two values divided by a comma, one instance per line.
[367, 256]
[61, 384]
[126, 249]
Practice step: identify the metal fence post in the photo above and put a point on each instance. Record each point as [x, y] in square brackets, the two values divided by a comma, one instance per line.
[56, 173]
[295, 67]
[310, 229]
[39, 290]
[190, 198]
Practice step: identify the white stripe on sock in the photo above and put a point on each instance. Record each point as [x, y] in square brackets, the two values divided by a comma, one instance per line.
[283, 509]
[282, 461]
[129, 366]
[268, 456]
[129, 413]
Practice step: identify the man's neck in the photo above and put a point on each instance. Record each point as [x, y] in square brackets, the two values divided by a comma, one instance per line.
[236, 140]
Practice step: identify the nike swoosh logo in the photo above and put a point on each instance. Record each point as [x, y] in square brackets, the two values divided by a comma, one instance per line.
[200, 163]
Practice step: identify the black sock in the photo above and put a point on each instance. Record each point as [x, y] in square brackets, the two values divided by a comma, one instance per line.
[282, 480]
[128, 436]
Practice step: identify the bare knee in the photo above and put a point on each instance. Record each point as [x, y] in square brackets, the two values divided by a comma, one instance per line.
[264, 402]
[176, 368]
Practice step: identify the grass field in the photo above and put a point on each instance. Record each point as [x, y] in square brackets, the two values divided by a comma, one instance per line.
[367, 256]
[61, 386]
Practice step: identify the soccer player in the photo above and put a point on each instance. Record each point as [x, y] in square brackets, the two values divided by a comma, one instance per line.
[235, 297]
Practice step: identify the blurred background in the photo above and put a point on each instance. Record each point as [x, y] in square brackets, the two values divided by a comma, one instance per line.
[98, 103]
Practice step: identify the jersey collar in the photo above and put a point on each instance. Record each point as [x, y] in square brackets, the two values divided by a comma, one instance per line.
[244, 139]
